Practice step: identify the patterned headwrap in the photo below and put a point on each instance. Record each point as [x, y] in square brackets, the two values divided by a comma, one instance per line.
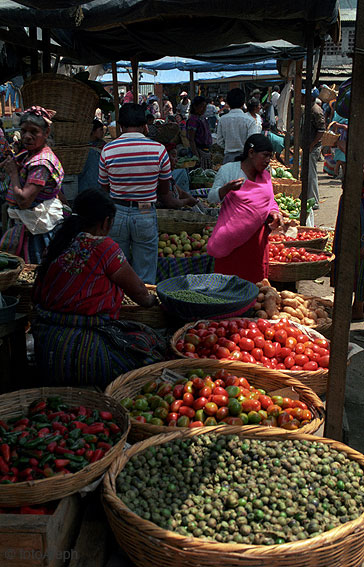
[47, 115]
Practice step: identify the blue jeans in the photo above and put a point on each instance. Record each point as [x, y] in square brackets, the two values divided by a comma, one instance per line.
[136, 232]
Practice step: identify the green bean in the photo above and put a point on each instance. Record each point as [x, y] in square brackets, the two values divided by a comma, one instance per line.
[190, 296]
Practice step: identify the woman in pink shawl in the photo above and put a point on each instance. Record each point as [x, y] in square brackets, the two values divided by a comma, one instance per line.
[239, 242]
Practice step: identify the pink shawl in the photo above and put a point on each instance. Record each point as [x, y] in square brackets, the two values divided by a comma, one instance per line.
[242, 213]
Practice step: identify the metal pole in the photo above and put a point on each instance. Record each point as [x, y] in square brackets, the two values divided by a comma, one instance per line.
[115, 88]
[135, 70]
[287, 137]
[297, 118]
[307, 125]
[46, 40]
[192, 86]
[34, 52]
[349, 241]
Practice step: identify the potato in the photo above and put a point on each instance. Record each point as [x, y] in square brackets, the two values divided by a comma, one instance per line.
[311, 315]
[309, 322]
[262, 314]
[288, 295]
[260, 297]
[321, 313]
[291, 303]
[257, 306]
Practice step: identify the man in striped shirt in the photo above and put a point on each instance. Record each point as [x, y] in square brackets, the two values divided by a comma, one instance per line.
[134, 169]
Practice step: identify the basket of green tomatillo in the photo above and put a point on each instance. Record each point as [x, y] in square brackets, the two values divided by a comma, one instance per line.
[257, 497]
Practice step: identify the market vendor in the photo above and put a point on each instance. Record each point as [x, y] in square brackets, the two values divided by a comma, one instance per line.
[182, 198]
[239, 242]
[198, 132]
[36, 176]
[79, 292]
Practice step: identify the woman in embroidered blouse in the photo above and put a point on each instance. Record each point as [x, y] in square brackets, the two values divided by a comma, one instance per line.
[79, 293]
[36, 176]
[254, 106]
[198, 132]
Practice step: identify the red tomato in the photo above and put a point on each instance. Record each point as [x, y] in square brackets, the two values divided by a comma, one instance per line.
[265, 401]
[232, 381]
[189, 347]
[269, 334]
[198, 383]
[178, 391]
[140, 418]
[302, 338]
[224, 324]
[280, 366]
[248, 358]
[284, 418]
[299, 404]
[210, 408]
[309, 352]
[259, 342]
[172, 415]
[174, 407]
[278, 348]
[222, 374]
[210, 340]
[291, 342]
[221, 332]
[205, 392]
[191, 355]
[180, 346]
[292, 331]
[187, 410]
[233, 328]
[201, 326]
[263, 324]
[213, 324]
[274, 410]
[188, 399]
[285, 351]
[269, 349]
[200, 403]
[193, 339]
[324, 361]
[222, 352]
[246, 344]
[252, 333]
[243, 382]
[257, 353]
[301, 359]
[236, 355]
[306, 414]
[270, 421]
[195, 424]
[281, 336]
[289, 361]
[202, 333]
[250, 405]
[264, 360]
[322, 343]
[297, 413]
[235, 338]
[222, 413]
[220, 400]
[287, 403]
[300, 348]
[311, 366]
[296, 368]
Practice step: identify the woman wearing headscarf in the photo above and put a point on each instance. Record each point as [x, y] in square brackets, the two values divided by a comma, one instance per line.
[239, 242]
[36, 176]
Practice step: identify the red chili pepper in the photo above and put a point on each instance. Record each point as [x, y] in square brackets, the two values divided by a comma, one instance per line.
[24, 434]
[87, 445]
[63, 471]
[51, 446]
[5, 451]
[80, 452]
[65, 418]
[80, 425]
[113, 428]
[14, 470]
[96, 427]
[19, 428]
[61, 463]
[5, 477]
[106, 432]
[106, 415]
[54, 414]
[102, 445]
[43, 432]
[88, 412]
[23, 421]
[62, 443]
[89, 454]
[63, 451]
[35, 453]
[40, 406]
[39, 510]
[98, 454]
[82, 410]
[59, 427]
[4, 467]
[28, 472]
[47, 471]
[33, 462]
[4, 425]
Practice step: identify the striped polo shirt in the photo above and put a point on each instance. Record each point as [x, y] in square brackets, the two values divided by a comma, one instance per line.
[132, 165]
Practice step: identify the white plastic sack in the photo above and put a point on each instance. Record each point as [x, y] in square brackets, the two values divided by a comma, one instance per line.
[43, 218]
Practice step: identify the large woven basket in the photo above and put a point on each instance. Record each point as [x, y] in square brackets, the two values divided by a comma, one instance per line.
[57, 487]
[315, 243]
[23, 290]
[149, 545]
[316, 380]
[72, 158]
[71, 99]
[295, 271]
[9, 277]
[131, 383]
[71, 133]
[179, 221]
[327, 94]
[155, 316]
[290, 187]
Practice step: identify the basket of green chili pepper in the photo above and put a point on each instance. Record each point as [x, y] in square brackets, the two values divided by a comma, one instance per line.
[55, 441]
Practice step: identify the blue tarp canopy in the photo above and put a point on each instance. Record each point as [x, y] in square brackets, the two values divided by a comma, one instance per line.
[169, 63]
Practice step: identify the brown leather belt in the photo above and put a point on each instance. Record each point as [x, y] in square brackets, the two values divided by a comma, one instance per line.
[126, 203]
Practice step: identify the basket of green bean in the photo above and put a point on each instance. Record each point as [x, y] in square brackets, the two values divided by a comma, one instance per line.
[193, 296]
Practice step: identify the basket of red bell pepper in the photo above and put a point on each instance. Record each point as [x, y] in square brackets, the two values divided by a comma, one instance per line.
[55, 441]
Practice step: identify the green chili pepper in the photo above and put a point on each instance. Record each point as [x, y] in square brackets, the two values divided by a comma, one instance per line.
[78, 444]
[75, 433]
[46, 459]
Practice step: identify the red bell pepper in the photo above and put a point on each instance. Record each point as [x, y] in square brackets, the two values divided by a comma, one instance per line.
[82, 410]
[5, 451]
[106, 415]
[80, 452]
[33, 462]
[63, 451]
[59, 427]
[4, 467]
[98, 454]
[105, 446]
[61, 463]
[43, 432]
[97, 427]
[113, 428]
[89, 454]
[23, 421]
[80, 425]
[39, 407]
[51, 446]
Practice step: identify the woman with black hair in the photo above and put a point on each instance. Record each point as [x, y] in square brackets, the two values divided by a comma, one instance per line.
[239, 242]
[253, 115]
[36, 176]
[198, 132]
[79, 292]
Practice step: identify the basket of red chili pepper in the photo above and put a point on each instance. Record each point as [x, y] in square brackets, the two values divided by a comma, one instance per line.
[55, 441]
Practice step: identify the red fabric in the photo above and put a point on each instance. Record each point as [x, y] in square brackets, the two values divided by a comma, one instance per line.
[250, 261]
[78, 281]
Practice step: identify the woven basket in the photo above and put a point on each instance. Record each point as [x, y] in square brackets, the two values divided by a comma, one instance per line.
[9, 277]
[24, 290]
[295, 271]
[329, 138]
[327, 94]
[72, 158]
[71, 133]
[316, 380]
[290, 187]
[156, 317]
[168, 133]
[316, 243]
[71, 99]
[131, 383]
[174, 222]
[148, 544]
[57, 487]
[187, 164]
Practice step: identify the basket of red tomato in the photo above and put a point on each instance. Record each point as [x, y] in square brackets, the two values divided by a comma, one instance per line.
[290, 264]
[282, 346]
[306, 238]
[202, 393]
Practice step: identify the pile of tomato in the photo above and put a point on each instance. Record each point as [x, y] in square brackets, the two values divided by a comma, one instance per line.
[280, 345]
[203, 399]
[279, 253]
[305, 235]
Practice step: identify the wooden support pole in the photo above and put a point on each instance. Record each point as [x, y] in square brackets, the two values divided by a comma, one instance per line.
[349, 241]
[321, 53]
[115, 88]
[297, 118]
[307, 125]
[135, 70]
[46, 43]
[34, 52]
[2, 99]
[192, 86]
[287, 137]
[27, 42]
